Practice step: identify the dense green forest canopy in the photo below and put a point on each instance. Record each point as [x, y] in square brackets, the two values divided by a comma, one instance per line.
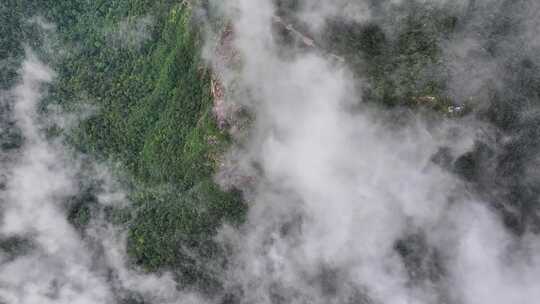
[136, 67]
[132, 69]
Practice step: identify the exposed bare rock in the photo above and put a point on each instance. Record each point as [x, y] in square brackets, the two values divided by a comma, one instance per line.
[219, 109]
[304, 39]
[425, 99]
[231, 117]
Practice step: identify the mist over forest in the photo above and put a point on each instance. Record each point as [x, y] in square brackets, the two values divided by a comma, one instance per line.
[270, 151]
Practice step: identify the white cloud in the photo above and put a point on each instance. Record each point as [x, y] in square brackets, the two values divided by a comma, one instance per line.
[339, 188]
[60, 266]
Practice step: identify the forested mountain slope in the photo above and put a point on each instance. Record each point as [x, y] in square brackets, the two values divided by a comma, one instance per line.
[136, 85]
[135, 68]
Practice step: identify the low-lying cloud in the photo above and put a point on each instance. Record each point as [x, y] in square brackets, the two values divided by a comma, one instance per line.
[349, 205]
[46, 260]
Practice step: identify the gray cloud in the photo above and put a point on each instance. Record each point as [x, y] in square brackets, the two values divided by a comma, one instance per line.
[58, 270]
[346, 202]
[59, 265]
[338, 191]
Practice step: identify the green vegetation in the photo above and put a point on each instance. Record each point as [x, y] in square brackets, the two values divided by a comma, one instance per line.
[153, 113]
[398, 55]
[404, 69]
[135, 66]
[11, 49]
